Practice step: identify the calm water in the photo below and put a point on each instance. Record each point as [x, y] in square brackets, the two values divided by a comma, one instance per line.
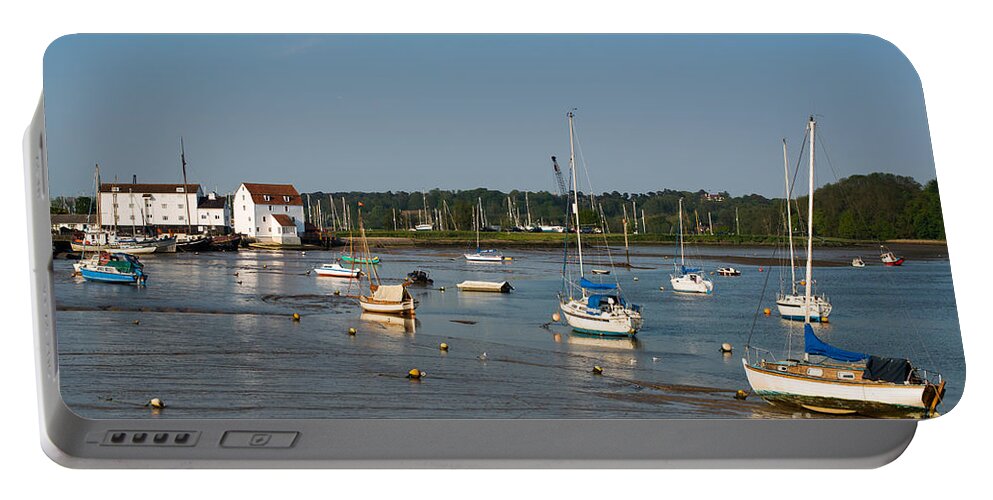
[212, 344]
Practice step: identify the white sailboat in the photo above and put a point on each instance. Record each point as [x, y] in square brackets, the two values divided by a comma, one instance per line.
[481, 255]
[791, 305]
[841, 382]
[688, 279]
[600, 308]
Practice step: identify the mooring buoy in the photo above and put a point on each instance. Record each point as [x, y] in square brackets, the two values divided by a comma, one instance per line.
[415, 374]
[443, 347]
[597, 370]
[726, 348]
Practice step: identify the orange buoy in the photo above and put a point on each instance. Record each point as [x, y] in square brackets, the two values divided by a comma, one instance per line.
[767, 311]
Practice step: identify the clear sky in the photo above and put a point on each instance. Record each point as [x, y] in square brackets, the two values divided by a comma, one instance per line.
[377, 113]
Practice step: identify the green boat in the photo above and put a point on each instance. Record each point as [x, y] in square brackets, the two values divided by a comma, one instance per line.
[360, 260]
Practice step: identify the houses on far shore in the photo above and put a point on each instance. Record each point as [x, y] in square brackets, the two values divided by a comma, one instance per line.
[262, 212]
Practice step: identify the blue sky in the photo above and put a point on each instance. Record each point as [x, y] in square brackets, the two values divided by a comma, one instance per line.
[377, 113]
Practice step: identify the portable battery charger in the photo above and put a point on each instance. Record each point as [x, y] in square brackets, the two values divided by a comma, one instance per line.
[394, 251]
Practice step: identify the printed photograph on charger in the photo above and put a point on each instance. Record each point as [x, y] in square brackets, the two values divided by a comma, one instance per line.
[470, 226]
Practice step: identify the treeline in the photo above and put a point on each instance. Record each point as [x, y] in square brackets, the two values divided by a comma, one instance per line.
[877, 206]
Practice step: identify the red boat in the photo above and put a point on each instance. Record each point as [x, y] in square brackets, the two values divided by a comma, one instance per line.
[889, 258]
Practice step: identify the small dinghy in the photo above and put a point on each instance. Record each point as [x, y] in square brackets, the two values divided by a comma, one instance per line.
[112, 268]
[485, 286]
[858, 262]
[728, 271]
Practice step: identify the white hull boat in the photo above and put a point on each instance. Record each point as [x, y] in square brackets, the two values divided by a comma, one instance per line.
[337, 271]
[792, 307]
[484, 256]
[838, 389]
[691, 283]
[610, 318]
[858, 262]
[404, 307]
[485, 286]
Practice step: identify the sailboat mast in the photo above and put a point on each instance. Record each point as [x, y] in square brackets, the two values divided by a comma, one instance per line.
[627, 254]
[789, 218]
[527, 204]
[186, 194]
[810, 227]
[575, 193]
[478, 219]
[682, 257]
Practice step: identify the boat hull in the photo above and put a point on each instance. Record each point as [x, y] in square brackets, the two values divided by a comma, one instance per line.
[579, 318]
[405, 308]
[835, 397]
[108, 277]
[337, 273]
[360, 260]
[894, 263]
[472, 257]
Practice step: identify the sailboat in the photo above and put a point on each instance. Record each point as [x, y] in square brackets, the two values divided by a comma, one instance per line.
[189, 242]
[481, 255]
[384, 299]
[688, 279]
[600, 308]
[841, 382]
[889, 258]
[791, 305]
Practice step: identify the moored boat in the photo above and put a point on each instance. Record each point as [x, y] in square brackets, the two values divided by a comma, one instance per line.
[688, 279]
[336, 270]
[889, 258]
[385, 299]
[360, 260]
[117, 267]
[839, 382]
[481, 255]
[419, 277]
[858, 262]
[792, 304]
[598, 308]
[225, 242]
[485, 286]
[728, 271]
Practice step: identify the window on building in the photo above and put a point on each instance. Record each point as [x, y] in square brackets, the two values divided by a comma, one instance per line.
[179, 205]
[180, 189]
[115, 189]
[165, 217]
[243, 208]
[165, 205]
[270, 208]
[266, 197]
[217, 217]
[286, 199]
[286, 208]
[203, 216]
[182, 218]
[130, 205]
[263, 218]
[132, 217]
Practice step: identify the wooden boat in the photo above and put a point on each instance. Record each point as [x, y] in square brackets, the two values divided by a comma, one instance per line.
[117, 267]
[336, 270]
[794, 305]
[103, 241]
[889, 258]
[688, 279]
[193, 244]
[841, 382]
[385, 299]
[225, 242]
[858, 262]
[728, 271]
[599, 308]
[485, 286]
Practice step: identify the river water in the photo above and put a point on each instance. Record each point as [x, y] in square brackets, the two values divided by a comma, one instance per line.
[213, 336]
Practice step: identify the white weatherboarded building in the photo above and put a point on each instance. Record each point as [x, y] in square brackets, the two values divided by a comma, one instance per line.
[167, 207]
[255, 206]
[213, 215]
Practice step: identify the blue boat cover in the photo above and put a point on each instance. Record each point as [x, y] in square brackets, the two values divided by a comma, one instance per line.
[589, 285]
[594, 301]
[690, 269]
[818, 347]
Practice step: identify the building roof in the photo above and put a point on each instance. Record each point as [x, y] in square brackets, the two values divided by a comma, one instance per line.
[124, 187]
[219, 202]
[275, 192]
[73, 219]
[283, 220]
